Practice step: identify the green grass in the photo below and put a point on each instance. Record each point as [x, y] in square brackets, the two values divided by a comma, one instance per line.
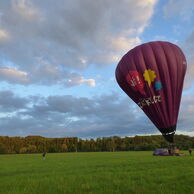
[96, 173]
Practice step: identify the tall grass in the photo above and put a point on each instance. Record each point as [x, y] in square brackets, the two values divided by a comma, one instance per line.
[98, 173]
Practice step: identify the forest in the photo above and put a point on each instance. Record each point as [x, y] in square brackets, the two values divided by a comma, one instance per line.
[38, 144]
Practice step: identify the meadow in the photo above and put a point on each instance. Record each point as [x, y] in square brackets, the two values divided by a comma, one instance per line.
[96, 173]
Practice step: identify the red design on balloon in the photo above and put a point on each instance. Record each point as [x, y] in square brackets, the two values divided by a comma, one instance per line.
[135, 80]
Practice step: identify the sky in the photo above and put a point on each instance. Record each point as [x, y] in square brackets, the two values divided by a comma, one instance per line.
[58, 60]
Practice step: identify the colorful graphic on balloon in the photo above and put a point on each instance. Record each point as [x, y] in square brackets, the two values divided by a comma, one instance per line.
[149, 76]
[152, 75]
[158, 86]
[135, 81]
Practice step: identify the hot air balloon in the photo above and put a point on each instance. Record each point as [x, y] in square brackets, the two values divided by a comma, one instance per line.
[152, 75]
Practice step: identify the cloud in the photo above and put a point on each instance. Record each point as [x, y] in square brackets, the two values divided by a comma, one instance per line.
[47, 74]
[71, 116]
[25, 9]
[44, 75]
[89, 82]
[4, 36]
[186, 113]
[122, 43]
[65, 115]
[9, 102]
[13, 75]
[79, 80]
[70, 35]
[184, 9]
[188, 48]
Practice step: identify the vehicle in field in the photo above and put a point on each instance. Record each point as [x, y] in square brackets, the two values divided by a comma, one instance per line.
[176, 152]
[167, 152]
[161, 152]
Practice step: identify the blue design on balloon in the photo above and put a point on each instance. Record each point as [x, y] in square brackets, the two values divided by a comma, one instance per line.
[158, 86]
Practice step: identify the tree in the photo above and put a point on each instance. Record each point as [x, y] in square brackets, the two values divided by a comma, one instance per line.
[31, 149]
[64, 147]
[23, 150]
[2, 149]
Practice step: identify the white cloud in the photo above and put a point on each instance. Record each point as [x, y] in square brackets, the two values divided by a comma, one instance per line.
[99, 33]
[53, 42]
[123, 43]
[25, 9]
[11, 74]
[4, 35]
[146, 2]
[189, 133]
[89, 82]
[79, 80]
[44, 75]
[184, 9]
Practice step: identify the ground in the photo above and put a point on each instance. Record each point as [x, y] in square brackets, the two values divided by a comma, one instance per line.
[96, 173]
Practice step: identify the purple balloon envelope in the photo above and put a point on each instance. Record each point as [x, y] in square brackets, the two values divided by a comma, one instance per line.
[152, 75]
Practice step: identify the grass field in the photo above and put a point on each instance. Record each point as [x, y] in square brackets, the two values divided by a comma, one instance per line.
[99, 173]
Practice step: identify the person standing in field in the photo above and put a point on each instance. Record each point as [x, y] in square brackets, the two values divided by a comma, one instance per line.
[190, 151]
[170, 151]
[44, 155]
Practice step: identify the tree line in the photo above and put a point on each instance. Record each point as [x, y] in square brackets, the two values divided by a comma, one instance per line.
[38, 144]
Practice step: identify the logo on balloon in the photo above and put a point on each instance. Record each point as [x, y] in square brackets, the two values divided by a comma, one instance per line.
[148, 101]
[135, 80]
[149, 76]
[158, 86]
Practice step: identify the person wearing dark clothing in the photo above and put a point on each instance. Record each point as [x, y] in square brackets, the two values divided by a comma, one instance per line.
[44, 155]
[170, 151]
[190, 151]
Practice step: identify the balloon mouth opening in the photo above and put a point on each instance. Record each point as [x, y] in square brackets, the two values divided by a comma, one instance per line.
[168, 133]
[169, 137]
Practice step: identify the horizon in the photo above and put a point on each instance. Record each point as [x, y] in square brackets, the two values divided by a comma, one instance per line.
[141, 135]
